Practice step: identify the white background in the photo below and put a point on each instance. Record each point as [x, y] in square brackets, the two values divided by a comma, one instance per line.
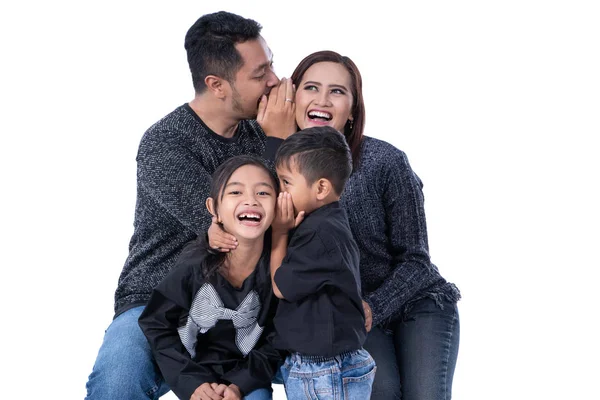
[497, 105]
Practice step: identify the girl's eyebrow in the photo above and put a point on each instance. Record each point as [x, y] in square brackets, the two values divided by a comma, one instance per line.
[241, 184]
[233, 183]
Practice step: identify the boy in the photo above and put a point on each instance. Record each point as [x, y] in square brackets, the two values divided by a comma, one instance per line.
[320, 318]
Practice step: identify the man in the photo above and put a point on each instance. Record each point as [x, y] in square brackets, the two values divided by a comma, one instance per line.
[232, 72]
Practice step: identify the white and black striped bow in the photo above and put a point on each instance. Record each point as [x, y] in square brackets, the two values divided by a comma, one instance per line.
[207, 308]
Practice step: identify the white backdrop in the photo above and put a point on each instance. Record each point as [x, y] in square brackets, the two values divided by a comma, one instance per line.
[497, 105]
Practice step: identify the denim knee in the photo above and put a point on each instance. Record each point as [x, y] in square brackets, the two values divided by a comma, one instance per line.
[124, 367]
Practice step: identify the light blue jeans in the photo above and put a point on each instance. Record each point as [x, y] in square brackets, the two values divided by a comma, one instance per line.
[125, 368]
[345, 377]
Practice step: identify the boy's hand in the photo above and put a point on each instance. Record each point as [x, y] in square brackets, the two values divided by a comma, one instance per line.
[206, 391]
[368, 316]
[284, 215]
[277, 113]
[220, 240]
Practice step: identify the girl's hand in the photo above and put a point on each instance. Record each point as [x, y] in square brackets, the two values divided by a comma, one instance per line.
[277, 113]
[232, 393]
[220, 240]
[284, 215]
[206, 392]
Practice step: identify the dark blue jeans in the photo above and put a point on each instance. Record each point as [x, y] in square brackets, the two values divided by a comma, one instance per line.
[416, 360]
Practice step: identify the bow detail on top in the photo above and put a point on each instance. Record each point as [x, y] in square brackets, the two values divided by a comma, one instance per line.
[207, 308]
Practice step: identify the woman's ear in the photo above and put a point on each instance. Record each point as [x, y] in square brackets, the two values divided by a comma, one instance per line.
[324, 187]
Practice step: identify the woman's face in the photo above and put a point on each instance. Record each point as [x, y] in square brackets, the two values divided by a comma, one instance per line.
[324, 97]
[247, 204]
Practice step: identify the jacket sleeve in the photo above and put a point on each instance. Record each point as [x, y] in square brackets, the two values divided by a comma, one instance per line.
[312, 262]
[407, 230]
[169, 301]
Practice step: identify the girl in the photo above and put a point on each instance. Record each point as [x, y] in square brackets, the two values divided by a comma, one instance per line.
[207, 321]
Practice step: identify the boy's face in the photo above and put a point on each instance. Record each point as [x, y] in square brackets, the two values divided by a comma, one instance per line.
[304, 196]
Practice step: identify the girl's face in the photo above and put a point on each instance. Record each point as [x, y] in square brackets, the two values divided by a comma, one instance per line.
[247, 203]
[324, 97]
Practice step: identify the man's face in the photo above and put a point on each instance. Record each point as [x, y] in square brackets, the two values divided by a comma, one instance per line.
[255, 78]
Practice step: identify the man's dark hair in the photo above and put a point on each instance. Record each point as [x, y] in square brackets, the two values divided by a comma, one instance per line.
[318, 152]
[210, 45]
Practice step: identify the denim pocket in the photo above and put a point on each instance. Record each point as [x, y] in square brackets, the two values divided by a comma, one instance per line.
[357, 383]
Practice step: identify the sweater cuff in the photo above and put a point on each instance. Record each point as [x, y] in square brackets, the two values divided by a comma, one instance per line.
[376, 309]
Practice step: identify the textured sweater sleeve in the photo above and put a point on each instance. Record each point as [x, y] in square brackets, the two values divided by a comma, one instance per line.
[176, 179]
[405, 217]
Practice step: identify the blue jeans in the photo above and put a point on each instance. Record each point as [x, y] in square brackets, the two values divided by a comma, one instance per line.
[416, 360]
[345, 377]
[125, 368]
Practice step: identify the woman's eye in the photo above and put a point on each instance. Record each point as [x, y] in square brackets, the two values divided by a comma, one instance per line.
[310, 87]
[338, 91]
[235, 192]
[264, 193]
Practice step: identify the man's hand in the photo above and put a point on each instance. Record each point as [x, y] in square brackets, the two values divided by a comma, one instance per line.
[368, 316]
[277, 113]
[220, 240]
[206, 391]
[284, 215]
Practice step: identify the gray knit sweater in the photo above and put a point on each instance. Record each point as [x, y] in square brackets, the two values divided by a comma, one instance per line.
[175, 161]
[384, 202]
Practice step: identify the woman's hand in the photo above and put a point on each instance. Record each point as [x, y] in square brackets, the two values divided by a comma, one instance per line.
[277, 113]
[220, 240]
[368, 316]
[284, 215]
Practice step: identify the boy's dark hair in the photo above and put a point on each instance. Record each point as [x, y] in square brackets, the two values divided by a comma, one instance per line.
[210, 45]
[217, 188]
[318, 152]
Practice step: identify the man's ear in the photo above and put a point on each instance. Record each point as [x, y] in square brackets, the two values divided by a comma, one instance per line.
[210, 205]
[216, 85]
[324, 187]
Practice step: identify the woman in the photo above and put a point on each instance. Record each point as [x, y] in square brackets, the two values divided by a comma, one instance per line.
[415, 325]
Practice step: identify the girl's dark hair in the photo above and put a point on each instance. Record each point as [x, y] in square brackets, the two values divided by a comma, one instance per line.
[353, 131]
[220, 177]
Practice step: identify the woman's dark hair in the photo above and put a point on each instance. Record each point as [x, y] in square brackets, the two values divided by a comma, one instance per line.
[220, 177]
[210, 45]
[353, 131]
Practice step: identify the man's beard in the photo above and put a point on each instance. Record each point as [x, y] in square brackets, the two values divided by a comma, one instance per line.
[236, 102]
